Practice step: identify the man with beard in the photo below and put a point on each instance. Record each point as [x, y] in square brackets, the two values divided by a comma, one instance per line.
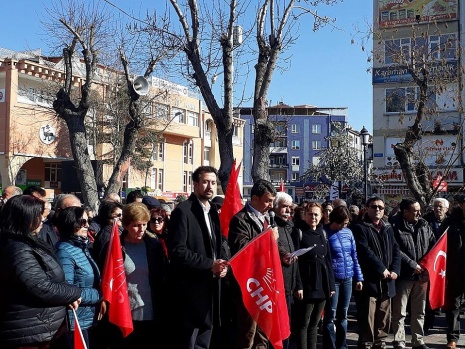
[197, 263]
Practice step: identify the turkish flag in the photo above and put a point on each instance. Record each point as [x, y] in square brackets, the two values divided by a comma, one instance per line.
[257, 269]
[114, 287]
[435, 262]
[232, 200]
[79, 342]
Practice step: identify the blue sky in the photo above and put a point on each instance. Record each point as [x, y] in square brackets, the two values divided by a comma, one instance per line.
[326, 70]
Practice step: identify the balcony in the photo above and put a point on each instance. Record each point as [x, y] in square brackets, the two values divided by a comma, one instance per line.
[279, 166]
[278, 150]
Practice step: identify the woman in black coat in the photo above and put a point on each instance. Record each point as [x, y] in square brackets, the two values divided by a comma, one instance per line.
[35, 297]
[316, 273]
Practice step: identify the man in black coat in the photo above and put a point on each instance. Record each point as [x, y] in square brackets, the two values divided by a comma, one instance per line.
[379, 257]
[197, 262]
[455, 272]
[292, 283]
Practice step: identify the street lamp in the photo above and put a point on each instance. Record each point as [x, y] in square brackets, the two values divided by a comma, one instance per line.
[365, 139]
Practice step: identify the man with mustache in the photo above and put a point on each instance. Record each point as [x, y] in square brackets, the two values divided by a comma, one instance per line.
[197, 263]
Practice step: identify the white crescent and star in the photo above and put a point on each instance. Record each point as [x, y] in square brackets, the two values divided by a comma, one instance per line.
[440, 254]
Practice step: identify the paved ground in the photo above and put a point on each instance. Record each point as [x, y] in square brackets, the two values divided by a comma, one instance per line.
[435, 338]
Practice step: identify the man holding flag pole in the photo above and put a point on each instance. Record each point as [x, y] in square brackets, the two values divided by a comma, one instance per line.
[260, 299]
[454, 257]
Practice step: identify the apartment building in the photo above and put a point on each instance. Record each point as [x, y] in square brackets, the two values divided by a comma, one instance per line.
[34, 143]
[413, 34]
[303, 132]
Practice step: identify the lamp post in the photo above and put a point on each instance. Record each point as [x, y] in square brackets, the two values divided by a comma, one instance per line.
[365, 139]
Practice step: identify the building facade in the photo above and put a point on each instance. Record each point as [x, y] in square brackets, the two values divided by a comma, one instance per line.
[34, 142]
[303, 132]
[411, 35]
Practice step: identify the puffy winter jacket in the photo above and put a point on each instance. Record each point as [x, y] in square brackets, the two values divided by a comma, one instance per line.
[343, 254]
[34, 291]
[81, 270]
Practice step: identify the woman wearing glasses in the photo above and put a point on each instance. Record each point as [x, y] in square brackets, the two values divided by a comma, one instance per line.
[346, 268]
[80, 270]
[158, 225]
[109, 212]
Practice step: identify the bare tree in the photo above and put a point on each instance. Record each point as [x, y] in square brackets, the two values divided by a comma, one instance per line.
[87, 35]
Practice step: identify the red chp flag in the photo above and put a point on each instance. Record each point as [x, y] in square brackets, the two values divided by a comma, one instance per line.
[78, 339]
[232, 200]
[114, 287]
[257, 269]
[435, 262]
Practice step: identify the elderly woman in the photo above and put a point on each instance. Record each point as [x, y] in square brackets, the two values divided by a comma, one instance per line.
[80, 269]
[35, 296]
[316, 273]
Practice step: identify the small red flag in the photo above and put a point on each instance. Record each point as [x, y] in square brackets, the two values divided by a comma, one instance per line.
[281, 185]
[257, 269]
[79, 342]
[435, 262]
[232, 200]
[114, 287]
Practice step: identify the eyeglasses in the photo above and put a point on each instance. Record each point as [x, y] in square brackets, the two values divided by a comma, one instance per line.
[119, 215]
[156, 220]
[85, 222]
[379, 207]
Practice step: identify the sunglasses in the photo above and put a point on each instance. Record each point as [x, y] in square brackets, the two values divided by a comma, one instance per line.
[119, 215]
[85, 221]
[379, 207]
[156, 220]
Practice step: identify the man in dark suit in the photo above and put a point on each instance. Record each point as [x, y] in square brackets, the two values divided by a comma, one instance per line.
[197, 263]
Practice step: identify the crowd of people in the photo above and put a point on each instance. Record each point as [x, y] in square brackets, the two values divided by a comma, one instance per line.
[182, 292]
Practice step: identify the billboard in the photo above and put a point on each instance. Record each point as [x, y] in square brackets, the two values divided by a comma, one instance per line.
[404, 12]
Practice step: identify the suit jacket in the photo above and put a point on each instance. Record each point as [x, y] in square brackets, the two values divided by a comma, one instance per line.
[193, 286]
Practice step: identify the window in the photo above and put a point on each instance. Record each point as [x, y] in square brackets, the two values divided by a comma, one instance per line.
[235, 131]
[178, 115]
[158, 150]
[405, 99]
[295, 161]
[184, 181]
[52, 172]
[188, 153]
[160, 179]
[153, 178]
[316, 145]
[295, 144]
[208, 130]
[294, 128]
[206, 153]
[316, 129]
[192, 118]
[279, 143]
[295, 176]
[435, 46]
[161, 111]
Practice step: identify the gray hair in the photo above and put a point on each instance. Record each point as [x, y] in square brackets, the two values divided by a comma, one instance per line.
[445, 202]
[280, 197]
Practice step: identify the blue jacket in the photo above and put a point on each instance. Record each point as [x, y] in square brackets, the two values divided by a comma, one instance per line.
[343, 254]
[82, 271]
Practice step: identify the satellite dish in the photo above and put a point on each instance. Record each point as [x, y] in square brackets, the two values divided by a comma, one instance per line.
[140, 85]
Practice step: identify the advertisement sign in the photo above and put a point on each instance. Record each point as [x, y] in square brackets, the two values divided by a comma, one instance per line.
[404, 12]
[453, 176]
[400, 73]
[435, 150]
